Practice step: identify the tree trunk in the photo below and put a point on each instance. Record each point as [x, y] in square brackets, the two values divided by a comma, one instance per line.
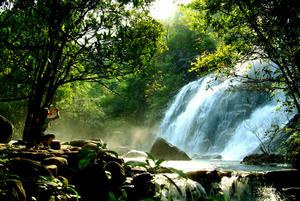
[34, 108]
[35, 105]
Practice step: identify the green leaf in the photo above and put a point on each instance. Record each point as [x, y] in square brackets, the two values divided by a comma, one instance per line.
[159, 162]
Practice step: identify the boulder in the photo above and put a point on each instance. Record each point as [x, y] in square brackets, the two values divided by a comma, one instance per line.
[55, 144]
[15, 191]
[263, 159]
[207, 157]
[60, 163]
[6, 130]
[143, 185]
[135, 154]
[82, 142]
[164, 150]
[27, 168]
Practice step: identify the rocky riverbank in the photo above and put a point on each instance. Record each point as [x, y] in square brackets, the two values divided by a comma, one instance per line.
[87, 170]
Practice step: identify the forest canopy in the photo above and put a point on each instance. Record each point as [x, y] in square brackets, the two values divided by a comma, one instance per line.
[47, 44]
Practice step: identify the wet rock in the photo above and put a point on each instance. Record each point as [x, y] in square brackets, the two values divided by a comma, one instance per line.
[263, 159]
[209, 179]
[164, 150]
[135, 154]
[6, 130]
[174, 187]
[205, 157]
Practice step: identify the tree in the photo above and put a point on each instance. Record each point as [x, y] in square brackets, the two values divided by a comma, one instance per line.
[143, 98]
[259, 29]
[46, 44]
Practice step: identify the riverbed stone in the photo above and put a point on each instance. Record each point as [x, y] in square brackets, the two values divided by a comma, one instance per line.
[163, 150]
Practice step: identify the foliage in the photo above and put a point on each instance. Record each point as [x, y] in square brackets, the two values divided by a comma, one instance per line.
[56, 189]
[259, 29]
[112, 196]
[293, 147]
[220, 197]
[45, 45]
[145, 95]
[219, 61]
[126, 98]
[5, 175]
[184, 44]
[89, 156]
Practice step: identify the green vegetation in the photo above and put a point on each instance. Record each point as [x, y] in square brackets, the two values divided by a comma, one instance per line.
[45, 45]
[256, 29]
[110, 65]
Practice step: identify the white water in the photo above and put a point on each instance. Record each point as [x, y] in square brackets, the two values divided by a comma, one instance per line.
[222, 117]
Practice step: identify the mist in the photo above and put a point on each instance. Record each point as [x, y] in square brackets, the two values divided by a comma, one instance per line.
[117, 134]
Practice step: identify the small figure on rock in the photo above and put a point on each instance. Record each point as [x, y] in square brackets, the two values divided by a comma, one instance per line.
[6, 130]
[40, 126]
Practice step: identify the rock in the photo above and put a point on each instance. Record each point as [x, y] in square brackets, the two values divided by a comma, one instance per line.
[208, 179]
[143, 186]
[27, 169]
[93, 183]
[135, 154]
[52, 169]
[55, 144]
[81, 143]
[174, 187]
[6, 130]
[30, 154]
[164, 150]
[263, 159]
[283, 178]
[293, 193]
[60, 163]
[117, 171]
[90, 146]
[205, 157]
[122, 150]
[15, 190]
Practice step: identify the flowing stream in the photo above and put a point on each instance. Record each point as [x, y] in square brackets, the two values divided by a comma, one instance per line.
[226, 117]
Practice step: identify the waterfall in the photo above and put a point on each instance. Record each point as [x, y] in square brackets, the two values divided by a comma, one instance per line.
[225, 117]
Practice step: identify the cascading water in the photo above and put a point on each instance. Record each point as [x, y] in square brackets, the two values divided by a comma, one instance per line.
[226, 118]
